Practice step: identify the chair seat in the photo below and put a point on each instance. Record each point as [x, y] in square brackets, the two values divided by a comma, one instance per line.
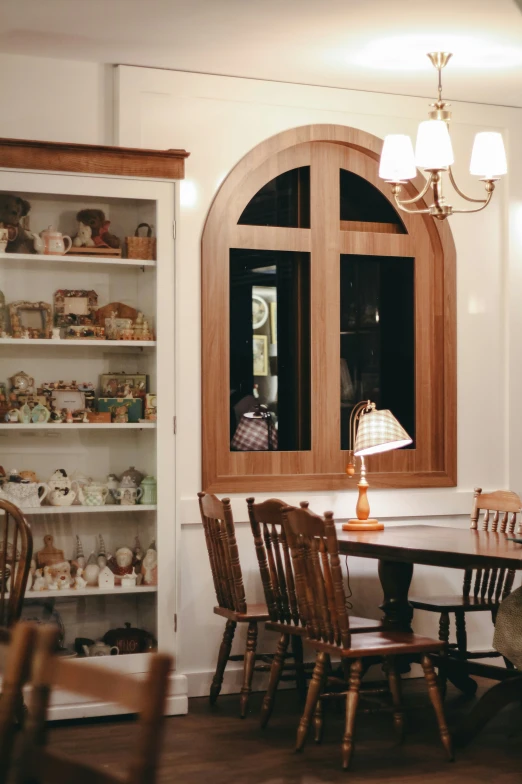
[452, 603]
[357, 626]
[255, 612]
[383, 643]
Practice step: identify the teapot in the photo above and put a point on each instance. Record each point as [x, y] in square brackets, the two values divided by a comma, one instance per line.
[65, 497]
[99, 648]
[93, 494]
[25, 495]
[127, 493]
[52, 241]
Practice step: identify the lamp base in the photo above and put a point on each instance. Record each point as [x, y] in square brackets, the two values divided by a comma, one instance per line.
[363, 525]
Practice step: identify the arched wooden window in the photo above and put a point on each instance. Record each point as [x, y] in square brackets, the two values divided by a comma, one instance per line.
[316, 293]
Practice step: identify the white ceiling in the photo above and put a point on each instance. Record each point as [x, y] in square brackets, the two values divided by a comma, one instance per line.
[375, 45]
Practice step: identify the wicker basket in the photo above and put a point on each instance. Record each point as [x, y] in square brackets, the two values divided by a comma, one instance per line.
[142, 247]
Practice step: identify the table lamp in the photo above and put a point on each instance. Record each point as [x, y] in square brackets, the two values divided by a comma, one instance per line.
[371, 432]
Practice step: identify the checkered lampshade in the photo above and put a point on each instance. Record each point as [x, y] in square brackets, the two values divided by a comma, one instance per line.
[379, 431]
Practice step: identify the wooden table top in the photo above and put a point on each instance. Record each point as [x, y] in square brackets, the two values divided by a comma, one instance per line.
[459, 548]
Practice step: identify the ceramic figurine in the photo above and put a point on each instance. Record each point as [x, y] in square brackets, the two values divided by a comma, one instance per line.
[79, 559]
[13, 415]
[40, 583]
[121, 563]
[40, 414]
[69, 417]
[137, 550]
[79, 582]
[106, 578]
[149, 566]
[127, 493]
[60, 573]
[25, 414]
[136, 476]
[93, 494]
[102, 555]
[129, 580]
[99, 648]
[29, 476]
[112, 484]
[50, 582]
[150, 492]
[91, 571]
[56, 332]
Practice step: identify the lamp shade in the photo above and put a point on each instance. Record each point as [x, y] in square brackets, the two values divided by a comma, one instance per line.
[433, 149]
[379, 431]
[397, 158]
[488, 157]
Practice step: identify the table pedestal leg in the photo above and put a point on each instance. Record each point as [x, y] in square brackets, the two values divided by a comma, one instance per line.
[395, 578]
[491, 703]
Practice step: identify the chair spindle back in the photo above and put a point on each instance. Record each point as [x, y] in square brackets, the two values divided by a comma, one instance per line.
[318, 577]
[500, 510]
[16, 551]
[275, 562]
[223, 553]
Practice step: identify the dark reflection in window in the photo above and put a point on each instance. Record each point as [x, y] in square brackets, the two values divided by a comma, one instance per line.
[269, 350]
[284, 201]
[362, 201]
[377, 337]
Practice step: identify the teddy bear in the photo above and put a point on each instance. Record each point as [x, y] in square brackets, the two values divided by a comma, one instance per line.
[99, 226]
[84, 237]
[12, 210]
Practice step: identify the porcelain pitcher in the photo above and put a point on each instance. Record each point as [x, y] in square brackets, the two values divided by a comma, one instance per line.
[25, 495]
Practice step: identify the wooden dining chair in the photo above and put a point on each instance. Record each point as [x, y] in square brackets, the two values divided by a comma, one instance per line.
[16, 648]
[277, 576]
[16, 551]
[223, 553]
[322, 601]
[483, 589]
[40, 764]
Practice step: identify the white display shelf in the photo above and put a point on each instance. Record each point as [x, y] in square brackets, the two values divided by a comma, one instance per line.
[75, 342]
[72, 259]
[67, 593]
[78, 426]
[63, 510]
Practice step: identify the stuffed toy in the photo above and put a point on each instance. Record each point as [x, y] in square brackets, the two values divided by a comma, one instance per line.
[95, 220]
[84, 237]
[12, 210]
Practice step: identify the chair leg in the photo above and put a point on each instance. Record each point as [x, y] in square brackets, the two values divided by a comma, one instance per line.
[438, 706]
[248, 668]
[300, 675]
[394, 680]
[318, 721]
[273, 682]
[444, 634]
[352, 700]
[462, 637]
[314, 692]
[224, 653]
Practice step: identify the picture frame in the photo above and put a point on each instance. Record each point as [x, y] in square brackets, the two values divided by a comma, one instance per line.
[38, 319]
[259, 311]
[273, 322]
[75, 307]
[260, 355]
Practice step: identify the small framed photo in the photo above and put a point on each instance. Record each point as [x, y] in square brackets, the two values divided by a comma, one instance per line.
[260, 353]
[75, 307]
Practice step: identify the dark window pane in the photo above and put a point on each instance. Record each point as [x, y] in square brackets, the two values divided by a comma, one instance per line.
[269, 350]
[362, 201]
[284, 201]
[377, 337]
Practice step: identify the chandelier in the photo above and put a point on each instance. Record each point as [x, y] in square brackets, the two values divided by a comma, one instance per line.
[434, 154]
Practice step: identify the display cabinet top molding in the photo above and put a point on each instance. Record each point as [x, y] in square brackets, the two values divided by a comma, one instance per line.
[92, 159]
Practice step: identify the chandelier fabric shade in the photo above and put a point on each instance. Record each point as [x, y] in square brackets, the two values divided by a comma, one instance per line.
[379, 431]
[488, 157]
[433, 149]
[397, 159]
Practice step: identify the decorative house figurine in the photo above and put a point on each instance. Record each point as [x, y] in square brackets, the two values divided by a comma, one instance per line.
[127, 493]
[129, 580]
[106, 578]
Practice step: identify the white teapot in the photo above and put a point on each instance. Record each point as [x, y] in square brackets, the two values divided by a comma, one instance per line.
[25, 495]
[65, 497]
[51, 241]
[99, 648]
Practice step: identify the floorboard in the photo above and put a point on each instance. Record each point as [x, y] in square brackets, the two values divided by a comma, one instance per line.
[213, 745]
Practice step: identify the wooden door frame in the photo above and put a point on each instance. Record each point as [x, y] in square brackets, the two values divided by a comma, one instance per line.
[433, 463]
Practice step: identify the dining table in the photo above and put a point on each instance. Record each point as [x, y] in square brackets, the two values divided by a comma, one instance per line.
[398, 548]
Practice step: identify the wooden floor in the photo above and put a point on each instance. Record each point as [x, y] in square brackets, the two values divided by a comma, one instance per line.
[215, 746]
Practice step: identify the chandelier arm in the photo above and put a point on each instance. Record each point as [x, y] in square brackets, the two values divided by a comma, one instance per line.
[478, 209]
[419, 196]
[463, 195]
[410, 212]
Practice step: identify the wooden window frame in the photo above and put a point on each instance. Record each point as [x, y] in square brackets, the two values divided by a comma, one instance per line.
[326, 149]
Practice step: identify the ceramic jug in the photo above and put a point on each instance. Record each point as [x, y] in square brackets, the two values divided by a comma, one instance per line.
[25, 495]
[150, 491]
[92, 494]
[52, 241]
[100, 649]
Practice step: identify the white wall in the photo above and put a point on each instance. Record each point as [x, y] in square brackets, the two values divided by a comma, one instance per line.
[56, 100]
[219, 119]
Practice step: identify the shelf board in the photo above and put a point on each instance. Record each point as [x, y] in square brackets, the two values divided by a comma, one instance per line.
[71, 592]
[78, 426]
[62, 510]
[72, 259]
[75, 342]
